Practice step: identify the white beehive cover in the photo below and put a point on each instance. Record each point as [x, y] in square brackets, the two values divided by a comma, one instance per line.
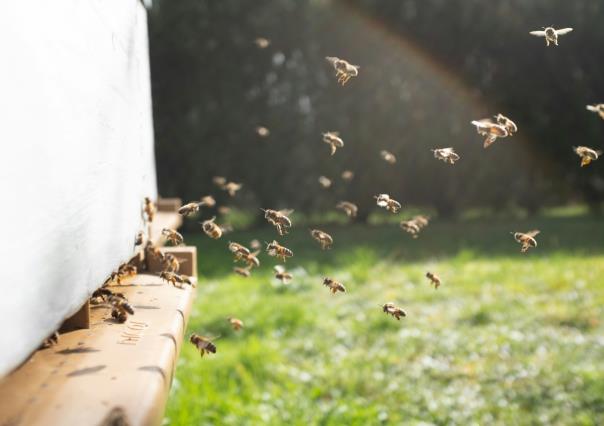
[77, 157]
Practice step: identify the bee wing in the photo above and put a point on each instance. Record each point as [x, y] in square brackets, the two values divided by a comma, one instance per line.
[533, 233]
[256, 253]
[592, 108]
[286, 212]
[332, 59]
[563, 31]
[333, 148]
[538, 33]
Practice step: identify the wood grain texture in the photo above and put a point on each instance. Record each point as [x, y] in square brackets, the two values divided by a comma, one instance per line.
[77, 157]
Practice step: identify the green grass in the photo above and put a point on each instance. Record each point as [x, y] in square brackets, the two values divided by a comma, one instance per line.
[507, 339]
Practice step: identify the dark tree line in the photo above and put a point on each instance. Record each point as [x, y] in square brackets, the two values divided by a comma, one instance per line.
[428, 67]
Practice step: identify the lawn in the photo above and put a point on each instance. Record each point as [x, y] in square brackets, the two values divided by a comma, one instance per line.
[508, 338]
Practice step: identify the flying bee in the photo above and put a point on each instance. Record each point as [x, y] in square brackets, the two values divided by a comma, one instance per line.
[347, 207]
[232, 188]
[203, 344]
[263, 132]
[410, 227]
[151, 250]
[391, 309]
[344, 70]
[251, 260]
[149, 209]
[236, 323]
[172, 263]
[551, 34]
[421, 221]
[255, 245]
[138, 240]
[276, 250]
[224, 210]
[244, 272]
[334, 141]
[324, 182]
[434, 279]
[347, 175]
[50, 341]
[189, 208]
[240, 251]
[262, 43]
[598, 108]
[219, 181]
[282, 275]
[491, 130]
[509, 125]
[448, 155]
[211, 229]
[587, 154]
[322, 238]
[387, 156]
[526, 239]
[333, 285]
[172, 236]
[120, 308]
[279, 219]
[384, 200]
[207, 201]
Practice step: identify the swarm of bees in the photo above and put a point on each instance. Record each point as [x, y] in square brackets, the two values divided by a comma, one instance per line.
[526, 239]
[390, 204]
[587, 154]
[551, 34]
[334, 141]
[344, 70]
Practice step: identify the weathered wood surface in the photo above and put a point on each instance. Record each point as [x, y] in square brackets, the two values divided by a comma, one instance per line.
[77, 157]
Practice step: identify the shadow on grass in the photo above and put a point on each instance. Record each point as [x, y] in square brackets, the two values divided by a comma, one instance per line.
[582, 236]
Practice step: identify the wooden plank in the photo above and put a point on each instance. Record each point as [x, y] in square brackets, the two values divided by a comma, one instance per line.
[110, 369]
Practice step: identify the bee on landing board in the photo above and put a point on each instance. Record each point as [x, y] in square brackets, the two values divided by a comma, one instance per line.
[344, 70]
[333, 285]
[236, 323]
[448, 155]
[50, 341]
[384, 200]
[334, 141]
[391, 309]
[323, 238]
[149, 209]
[211, 229]
[388, 157]
[203, 344]
[347, 207]
[120, 308]
[276, 250]
[587, 154]
[279, 219]
[282, 275]
[598, 108]
[434, 279]
[172, 236]
[551, 34]
[526, 239]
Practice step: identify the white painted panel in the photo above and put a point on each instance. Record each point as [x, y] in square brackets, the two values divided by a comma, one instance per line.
[76, 156]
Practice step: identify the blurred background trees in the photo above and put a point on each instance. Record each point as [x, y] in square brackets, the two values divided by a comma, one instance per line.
[428, 67]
